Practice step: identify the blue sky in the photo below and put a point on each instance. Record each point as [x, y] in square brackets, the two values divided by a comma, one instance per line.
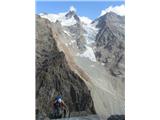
[88, 9]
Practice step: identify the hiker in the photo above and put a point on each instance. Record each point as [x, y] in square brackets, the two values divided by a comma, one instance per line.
[59, 107]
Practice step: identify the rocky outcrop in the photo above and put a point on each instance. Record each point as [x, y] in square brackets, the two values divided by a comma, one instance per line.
[54, 76]
[72, 14]
[110, 43]
[76, 30]
[116, 117]
[77, 33]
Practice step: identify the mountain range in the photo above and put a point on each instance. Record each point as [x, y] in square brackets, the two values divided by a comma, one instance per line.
[83, 61]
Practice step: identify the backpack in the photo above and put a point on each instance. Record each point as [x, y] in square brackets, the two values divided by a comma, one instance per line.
[58, 97]
[57, 104]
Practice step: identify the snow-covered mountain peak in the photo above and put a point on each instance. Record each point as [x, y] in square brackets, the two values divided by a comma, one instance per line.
[66, 18]
[96, 48]
[85, 20]
[110, 18]
[63, 18]
[72, 14]
[119, 10]
[72, 8]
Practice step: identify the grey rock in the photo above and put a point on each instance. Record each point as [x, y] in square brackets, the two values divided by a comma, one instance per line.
[116, 117]
[72, 14]
[77, 33]
[54, 76]
[110, 43]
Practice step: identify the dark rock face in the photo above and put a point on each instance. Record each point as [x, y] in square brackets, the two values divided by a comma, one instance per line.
[76, 30]
[116, 117]
[72, 14]
[77, 34]
[110, 43]
[109, 17]
[54, 76]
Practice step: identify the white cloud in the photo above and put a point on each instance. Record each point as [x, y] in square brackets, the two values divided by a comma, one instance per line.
[85, 20]
[72, 8]
[120, 10]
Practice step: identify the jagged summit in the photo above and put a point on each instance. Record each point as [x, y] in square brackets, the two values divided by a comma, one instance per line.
[72, 8]
[109, 17]
[66, 18]
[70, 14]
[73, 14]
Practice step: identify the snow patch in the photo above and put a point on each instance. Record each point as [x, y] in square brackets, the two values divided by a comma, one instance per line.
[68, 22]
[60, 17]
[72, 8]
[73, 41]
[102, 64]
[67, 33]
[91, 32]
[70, 43]
[85, 20]
[120, 10]
[88, 54]
[53, 17]
[66, 44]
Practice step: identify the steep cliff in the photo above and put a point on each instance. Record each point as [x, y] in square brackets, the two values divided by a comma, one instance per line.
[54, 76]
[110, 43]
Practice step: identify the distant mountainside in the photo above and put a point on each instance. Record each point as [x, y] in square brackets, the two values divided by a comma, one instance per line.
[86, 61]
[110, 43]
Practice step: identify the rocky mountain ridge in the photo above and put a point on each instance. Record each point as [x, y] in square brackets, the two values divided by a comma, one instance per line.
[54, 76]
[110, 43]
[95, 52]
